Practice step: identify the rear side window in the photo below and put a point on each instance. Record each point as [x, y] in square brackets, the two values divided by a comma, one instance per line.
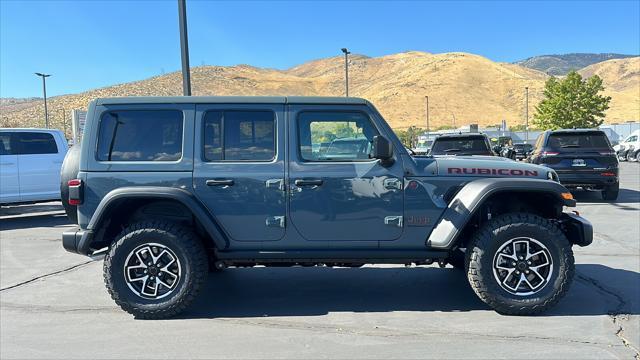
[5, 143]
[239, 136]
[140, 135]
[594, 139]
[28, 143]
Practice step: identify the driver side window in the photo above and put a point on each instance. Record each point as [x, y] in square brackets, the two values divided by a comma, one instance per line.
[335, 136]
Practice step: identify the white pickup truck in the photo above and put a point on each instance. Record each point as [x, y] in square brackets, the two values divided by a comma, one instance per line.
[30, 161]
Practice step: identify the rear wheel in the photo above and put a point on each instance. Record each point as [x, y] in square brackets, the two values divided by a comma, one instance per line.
[630, 156]
[154, 270]
[610, 193]
[520, 264]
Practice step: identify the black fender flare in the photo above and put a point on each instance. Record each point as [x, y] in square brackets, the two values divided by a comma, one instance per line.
[471, 197]
[184, 197]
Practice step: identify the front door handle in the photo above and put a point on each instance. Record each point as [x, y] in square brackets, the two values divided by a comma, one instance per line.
[220, 182]
[308, 182]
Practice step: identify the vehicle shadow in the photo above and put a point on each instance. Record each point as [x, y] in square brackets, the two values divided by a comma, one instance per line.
[264, 292]
[31, 216]
[625, 196]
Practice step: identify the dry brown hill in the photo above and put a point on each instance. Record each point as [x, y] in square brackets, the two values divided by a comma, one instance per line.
[621, 79]
[462, 87]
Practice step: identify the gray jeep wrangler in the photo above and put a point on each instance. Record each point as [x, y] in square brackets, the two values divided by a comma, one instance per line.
[170, 188]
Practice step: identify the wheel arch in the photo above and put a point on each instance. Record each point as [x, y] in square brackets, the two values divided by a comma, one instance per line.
[125, 205]
[472, 204]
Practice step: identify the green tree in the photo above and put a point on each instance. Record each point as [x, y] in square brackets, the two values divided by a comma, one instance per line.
[571, 102]
[409, 137]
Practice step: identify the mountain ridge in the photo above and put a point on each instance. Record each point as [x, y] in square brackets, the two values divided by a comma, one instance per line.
[463, 88]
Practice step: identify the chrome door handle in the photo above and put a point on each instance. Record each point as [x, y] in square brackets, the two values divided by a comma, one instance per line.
[308, 182]
[220, 182]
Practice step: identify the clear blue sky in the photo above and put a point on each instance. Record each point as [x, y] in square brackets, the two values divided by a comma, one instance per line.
[89, 44]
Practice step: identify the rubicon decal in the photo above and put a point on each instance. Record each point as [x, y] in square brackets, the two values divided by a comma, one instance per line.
[501, 172]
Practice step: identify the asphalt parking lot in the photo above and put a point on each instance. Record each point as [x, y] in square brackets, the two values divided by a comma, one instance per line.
[54, 305]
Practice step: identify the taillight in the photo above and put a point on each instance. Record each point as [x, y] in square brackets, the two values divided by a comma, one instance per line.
[608, 174]
[75, 191]
[549, 153]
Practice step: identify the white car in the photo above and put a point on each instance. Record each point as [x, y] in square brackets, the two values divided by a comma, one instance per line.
[30, 161]
[628, 148]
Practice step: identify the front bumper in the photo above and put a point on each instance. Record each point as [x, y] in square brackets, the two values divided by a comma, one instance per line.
[578, 230]
[77, 241]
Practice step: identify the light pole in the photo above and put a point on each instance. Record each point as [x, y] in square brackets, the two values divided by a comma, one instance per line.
[44, 91]
[526, 115]
[346, 70]
[184, 48]
[427, 111]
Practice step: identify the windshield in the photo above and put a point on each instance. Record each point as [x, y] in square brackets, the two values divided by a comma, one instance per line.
[597, 140]
[460, 145]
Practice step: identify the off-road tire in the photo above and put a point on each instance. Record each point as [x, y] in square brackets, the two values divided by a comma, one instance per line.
[187, 247]
[502, 229]
[610, 193]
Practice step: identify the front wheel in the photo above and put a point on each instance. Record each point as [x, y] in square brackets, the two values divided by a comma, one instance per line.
[154, 270]
[520, 264]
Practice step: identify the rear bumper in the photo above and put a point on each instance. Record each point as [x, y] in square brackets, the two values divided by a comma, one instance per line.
[77, 241]
[578, 230]
[586, 179]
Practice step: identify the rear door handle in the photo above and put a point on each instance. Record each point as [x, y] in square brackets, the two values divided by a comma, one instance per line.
[308, 182]
[220, 182]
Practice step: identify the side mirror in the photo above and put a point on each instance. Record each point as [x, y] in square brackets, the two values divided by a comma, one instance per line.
[382, 148]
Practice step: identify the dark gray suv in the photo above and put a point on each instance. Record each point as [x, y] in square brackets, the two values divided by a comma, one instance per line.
[168, 189]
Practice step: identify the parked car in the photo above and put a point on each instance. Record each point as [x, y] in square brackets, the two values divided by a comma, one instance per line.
[30, 161]
[199, 183]
[522, 150]
[628, 149]
[461, 144]
[423, 147]
[581, 157]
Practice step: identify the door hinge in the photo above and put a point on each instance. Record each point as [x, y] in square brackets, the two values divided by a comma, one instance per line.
[275, 184]
[275, 221]
[392, 184]
[393, 220]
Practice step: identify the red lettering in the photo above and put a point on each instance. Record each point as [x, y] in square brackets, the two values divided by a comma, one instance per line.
[503, 172]
[517, 172]
[530, 173]
[455, 171]
[469, 171]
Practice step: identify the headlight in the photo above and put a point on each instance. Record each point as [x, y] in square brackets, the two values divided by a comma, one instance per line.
[551, 175]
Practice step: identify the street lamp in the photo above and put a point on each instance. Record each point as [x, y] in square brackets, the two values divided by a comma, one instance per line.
[346, 70]
[44, 90]
[184, 48]
[427, 111]
[526, 116]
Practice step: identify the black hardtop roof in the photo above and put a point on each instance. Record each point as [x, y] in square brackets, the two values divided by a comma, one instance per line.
[231, 100]
[568, 131]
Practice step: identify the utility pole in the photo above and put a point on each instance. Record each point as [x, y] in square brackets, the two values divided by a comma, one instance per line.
[427, 111]
[346, 70]
[44, 91]
[526, 115]
[184, 48]
[453, 116]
